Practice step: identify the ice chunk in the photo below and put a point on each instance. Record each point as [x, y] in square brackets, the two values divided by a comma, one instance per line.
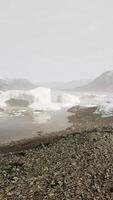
[6, 97]
[36, 99]
[105, 109]
[42, 98]
[67, 100]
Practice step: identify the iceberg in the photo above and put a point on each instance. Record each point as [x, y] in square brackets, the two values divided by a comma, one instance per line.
[11, 95]
[38, 99]
[105, 109]
[42, 98]
[67, 100]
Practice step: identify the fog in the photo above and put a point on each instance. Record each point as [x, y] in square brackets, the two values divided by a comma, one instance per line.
[59, 40]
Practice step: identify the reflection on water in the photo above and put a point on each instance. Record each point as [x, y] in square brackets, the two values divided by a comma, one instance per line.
[42, 117]
[23, 124]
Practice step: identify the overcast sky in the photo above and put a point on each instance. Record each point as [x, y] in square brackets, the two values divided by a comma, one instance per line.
[47, 40]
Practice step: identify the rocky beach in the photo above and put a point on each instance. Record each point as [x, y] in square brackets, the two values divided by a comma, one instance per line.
[74, 164]
[56, 100]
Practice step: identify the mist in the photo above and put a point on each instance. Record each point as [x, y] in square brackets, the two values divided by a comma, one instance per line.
[55, 40]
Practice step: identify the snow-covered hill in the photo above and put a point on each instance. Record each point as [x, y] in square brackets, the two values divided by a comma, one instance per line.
[64, 85]
[102, 83]
[16, 84]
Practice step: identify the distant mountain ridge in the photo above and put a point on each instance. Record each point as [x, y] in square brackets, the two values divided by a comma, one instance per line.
[102, 83]
[24, 84]
[16, 84]
[64, 85]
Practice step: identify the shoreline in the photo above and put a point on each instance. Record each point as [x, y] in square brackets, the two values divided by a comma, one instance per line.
[75, 164]
[36, 142]
[82, 120]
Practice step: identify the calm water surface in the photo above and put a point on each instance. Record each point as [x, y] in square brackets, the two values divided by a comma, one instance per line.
[13, 128]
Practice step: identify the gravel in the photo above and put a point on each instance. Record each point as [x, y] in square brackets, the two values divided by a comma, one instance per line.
[78, 166]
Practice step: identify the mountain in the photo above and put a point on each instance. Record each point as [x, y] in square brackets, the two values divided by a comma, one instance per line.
[64, 85]
[16, 84]
[102, 83]
[3, 85]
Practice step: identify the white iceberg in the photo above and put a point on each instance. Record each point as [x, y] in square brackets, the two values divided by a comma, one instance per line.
[67, 100]
[36, 100]
[105, 109]
[13, 95]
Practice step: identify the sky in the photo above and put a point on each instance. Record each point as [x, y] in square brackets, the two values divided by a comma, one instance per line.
[55, 40]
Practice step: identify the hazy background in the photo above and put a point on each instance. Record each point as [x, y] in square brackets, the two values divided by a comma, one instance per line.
[49, 40]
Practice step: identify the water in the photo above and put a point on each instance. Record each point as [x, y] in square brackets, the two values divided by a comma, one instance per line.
[28, 125]
[18, 123]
